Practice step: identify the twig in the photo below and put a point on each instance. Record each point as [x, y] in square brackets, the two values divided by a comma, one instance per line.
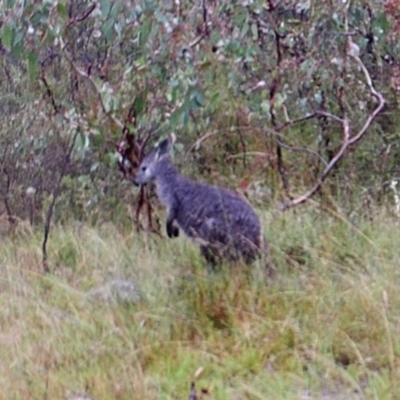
[11, 218]
[49, 92]
[204, 7]
[305, 150]
[329, 115]
[199, 141]
[84, 16]
[247, 153]
[288, 147]
[294, 121]
[261, 154]
[376, 94]
[197, 40]
[291, 122]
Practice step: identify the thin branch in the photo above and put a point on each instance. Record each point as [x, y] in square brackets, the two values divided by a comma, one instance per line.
[305, 150]
[197, 40]
[261, 154]
[11, 218]
[376, 94]
[329, 115]
[199, 141]
[49, 92]
[308, 117]
[248, 153]
[204, 7]
[84, 16]
[294, 121]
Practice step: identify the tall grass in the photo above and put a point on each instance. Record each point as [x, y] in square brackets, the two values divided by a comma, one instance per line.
[326, 325]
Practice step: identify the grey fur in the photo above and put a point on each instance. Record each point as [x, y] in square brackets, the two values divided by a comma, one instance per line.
[218, 219]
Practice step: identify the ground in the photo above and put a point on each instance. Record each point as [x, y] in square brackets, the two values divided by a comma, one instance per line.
[124, 315]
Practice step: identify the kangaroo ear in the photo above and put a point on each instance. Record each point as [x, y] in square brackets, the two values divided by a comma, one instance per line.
[163, 148]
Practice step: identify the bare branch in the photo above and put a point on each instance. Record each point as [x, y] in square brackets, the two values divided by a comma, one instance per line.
[266, 155]
[49, 92]
[85, 15]
[248, 153]
[291, 122]
[197, 40]
[305, 150]
[199, 141]
[329, 115]
[376, 94]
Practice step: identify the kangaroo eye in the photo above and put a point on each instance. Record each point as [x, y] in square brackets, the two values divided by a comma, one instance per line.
[143, 168]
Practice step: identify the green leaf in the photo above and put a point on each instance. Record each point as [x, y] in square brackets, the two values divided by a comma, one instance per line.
[32, 65]
[116, 9]
[266, 107]
[215, 37]
[10, 4]
[381, 23]
[197, 98]
[50, 36]
[179, 147]
[180, 116]
[145, 30]
[7, 36]
[214, 98]
[279, 100]
[62, 10]
[82, 143]
[245, 29]
[140, 102]
[105, 6]
[18, 49]
[94, 167]
[108, 27]
[254, 31]
[175, 119]
[19, 35]
[240, 17]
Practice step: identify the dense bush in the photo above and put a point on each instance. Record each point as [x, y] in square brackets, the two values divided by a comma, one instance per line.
[261, 96]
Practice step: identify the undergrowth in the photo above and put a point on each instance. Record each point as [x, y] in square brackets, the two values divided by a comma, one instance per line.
[325, 325]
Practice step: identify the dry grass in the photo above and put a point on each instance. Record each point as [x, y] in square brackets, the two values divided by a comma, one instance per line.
[325, 327]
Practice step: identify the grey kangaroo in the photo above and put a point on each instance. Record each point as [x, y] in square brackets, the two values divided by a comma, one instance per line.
[218, 219]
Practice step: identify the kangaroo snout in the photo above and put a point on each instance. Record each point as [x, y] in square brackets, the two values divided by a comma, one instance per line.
[135, 182]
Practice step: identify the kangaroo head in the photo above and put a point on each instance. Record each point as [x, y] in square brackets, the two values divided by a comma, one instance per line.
[149, 167]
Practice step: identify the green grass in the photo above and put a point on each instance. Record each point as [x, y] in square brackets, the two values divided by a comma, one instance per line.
[325, 326]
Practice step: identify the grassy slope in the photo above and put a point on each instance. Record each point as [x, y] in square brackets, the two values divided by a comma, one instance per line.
[326, 326]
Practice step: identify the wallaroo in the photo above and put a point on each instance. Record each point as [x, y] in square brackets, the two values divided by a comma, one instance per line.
[218, 219]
